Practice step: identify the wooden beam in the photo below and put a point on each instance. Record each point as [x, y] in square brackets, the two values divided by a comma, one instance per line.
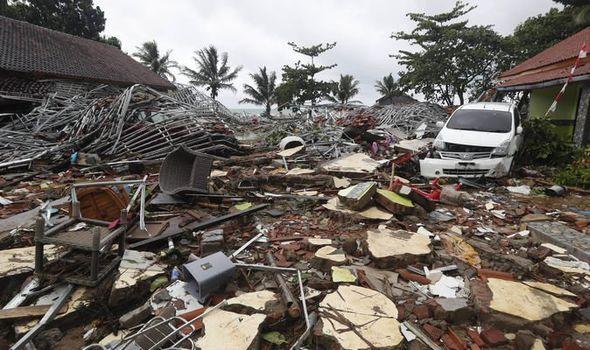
[27, 311]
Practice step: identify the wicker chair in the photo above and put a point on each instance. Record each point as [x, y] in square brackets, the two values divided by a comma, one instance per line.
[185, 171]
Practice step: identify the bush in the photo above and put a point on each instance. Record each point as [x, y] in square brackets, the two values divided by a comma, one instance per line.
[544, 146]
[576, 174]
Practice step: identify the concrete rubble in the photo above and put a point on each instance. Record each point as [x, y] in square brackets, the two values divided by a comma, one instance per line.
[326, 240]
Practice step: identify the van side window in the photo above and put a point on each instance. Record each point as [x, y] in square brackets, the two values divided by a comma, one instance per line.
[516, 118]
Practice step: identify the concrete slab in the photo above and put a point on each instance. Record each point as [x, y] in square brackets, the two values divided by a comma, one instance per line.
[576, 243]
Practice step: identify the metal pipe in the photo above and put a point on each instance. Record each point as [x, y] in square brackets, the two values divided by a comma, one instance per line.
[240, 249]
[292, 304]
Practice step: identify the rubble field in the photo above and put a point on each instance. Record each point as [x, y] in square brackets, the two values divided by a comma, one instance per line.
[143, 221]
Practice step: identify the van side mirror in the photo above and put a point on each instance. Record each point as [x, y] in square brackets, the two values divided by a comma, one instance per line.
[440, 124]
[518, 130]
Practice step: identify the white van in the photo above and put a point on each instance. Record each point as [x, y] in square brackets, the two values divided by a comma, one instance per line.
[479, 139]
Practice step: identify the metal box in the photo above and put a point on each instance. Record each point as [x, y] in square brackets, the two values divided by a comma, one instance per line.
[211, 273]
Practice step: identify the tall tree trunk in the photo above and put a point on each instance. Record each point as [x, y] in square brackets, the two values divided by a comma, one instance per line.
[461, 98]
[268, 109]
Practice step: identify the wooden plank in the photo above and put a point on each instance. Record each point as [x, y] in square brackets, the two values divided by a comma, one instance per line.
[27, 311]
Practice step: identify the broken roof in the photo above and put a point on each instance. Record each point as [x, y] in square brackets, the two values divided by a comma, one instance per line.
[29, 49]
[550, 67]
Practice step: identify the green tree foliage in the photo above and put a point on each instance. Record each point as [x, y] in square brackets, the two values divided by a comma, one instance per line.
[263, 91]
[149, 55]
[388, 87]
[540, 32]
[344, 90]
[453, 57]
[76, 17]
[111, 40]
[299, 83]
[212, 71]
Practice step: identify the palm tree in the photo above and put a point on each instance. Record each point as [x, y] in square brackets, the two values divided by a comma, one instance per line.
[149, 55]
[388, 87]
[212, 71]
[263, 94]
[344, 90]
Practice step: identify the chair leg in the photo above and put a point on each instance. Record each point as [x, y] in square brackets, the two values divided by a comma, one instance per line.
[95, 253]
[39, 232]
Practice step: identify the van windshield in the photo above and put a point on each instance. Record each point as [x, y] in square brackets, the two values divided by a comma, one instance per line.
[481, 120]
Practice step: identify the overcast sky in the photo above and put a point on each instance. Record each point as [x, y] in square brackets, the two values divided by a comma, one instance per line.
[255, 32]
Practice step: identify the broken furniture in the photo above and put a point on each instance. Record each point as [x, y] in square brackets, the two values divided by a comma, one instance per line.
[184, 171]
[50, 315]
[89, 235]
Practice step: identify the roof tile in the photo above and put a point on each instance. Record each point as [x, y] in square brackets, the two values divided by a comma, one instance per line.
[31, 49]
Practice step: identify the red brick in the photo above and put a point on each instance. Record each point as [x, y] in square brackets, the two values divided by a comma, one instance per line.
[409, 276]
[472, 333]
[487, 273]
[433, 332]
[493, 337]
[421, 311]
[453, 342]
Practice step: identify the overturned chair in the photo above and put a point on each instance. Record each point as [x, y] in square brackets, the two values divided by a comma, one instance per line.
[184, 171]
[94, 237]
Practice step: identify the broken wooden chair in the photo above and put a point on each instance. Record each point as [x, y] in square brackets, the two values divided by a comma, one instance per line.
[93, 235]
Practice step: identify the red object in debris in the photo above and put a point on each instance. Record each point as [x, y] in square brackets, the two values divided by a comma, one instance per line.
[409, 276]
[472, 333]
[433, 195]
[484, 274]
[114, 224]
[433, 332]
[453, 342]
[493, 336]
[421, 311]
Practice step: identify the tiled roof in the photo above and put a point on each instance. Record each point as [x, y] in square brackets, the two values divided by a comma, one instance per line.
[558, 75]
[545, 65]
[46, 53]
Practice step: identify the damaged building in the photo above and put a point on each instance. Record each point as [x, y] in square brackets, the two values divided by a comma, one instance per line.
[541, 77]
[37, 62]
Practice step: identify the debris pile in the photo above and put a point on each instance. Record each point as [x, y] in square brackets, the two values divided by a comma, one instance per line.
[317, 243]
[135, 123]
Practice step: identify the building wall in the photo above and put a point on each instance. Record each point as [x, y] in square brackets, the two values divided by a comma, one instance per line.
[582, 130]
[565, 115]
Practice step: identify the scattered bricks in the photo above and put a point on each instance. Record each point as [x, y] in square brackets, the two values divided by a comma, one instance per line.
[421, 311]
[409, 276]
[493, 337]
[476, 338]
[453, 342]
[433, 332]
[484, 274]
